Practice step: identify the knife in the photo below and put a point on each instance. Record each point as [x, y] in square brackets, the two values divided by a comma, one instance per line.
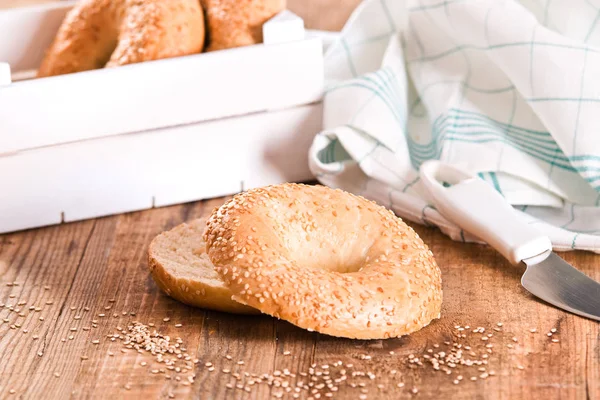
[473, 205]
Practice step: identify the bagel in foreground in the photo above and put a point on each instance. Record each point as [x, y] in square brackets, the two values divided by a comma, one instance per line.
[325, 260]
[99, 33]
[180, 267]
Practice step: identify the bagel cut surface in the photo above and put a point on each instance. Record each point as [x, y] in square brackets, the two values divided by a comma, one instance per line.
[325, 260]
[180, 267]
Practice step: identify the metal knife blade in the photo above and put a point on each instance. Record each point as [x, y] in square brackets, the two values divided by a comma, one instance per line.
[559, 283]
[476, 207]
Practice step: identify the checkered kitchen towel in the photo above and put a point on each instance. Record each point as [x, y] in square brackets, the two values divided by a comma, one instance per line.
[509, 90]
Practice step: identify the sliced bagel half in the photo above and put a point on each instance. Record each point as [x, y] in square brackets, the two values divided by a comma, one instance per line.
[181, 268]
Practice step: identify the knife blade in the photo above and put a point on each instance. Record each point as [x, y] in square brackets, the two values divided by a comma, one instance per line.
[476, 207]
[560, 284]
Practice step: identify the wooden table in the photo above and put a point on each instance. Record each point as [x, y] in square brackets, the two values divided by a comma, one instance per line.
[74, 273]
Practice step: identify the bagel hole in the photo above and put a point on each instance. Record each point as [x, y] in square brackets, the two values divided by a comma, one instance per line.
[347, 268]
[340, 263]
[321, 230]
[345, 257]
[103, 56]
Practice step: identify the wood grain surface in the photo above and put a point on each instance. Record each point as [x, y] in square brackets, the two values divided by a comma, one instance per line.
[74, 273]
[66, 270]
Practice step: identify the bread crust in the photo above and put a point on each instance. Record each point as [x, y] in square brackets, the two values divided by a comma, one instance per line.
[99, 33]
[325, 260]
[235, 23]
[180, 267]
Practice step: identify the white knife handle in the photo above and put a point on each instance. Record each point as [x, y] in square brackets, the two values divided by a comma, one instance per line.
[476, 207]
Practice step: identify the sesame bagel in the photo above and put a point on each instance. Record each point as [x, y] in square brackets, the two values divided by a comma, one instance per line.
[325, 260]
[99, 33]
[235, 23]
[180, 267]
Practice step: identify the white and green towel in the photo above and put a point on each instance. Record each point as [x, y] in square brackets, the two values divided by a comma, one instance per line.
[509, 90]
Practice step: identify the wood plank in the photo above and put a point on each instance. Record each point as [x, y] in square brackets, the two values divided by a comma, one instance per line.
[36, 260]
[329, 15]
[104, 260]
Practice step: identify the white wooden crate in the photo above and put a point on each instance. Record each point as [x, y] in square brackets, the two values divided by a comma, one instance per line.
[114, 140]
